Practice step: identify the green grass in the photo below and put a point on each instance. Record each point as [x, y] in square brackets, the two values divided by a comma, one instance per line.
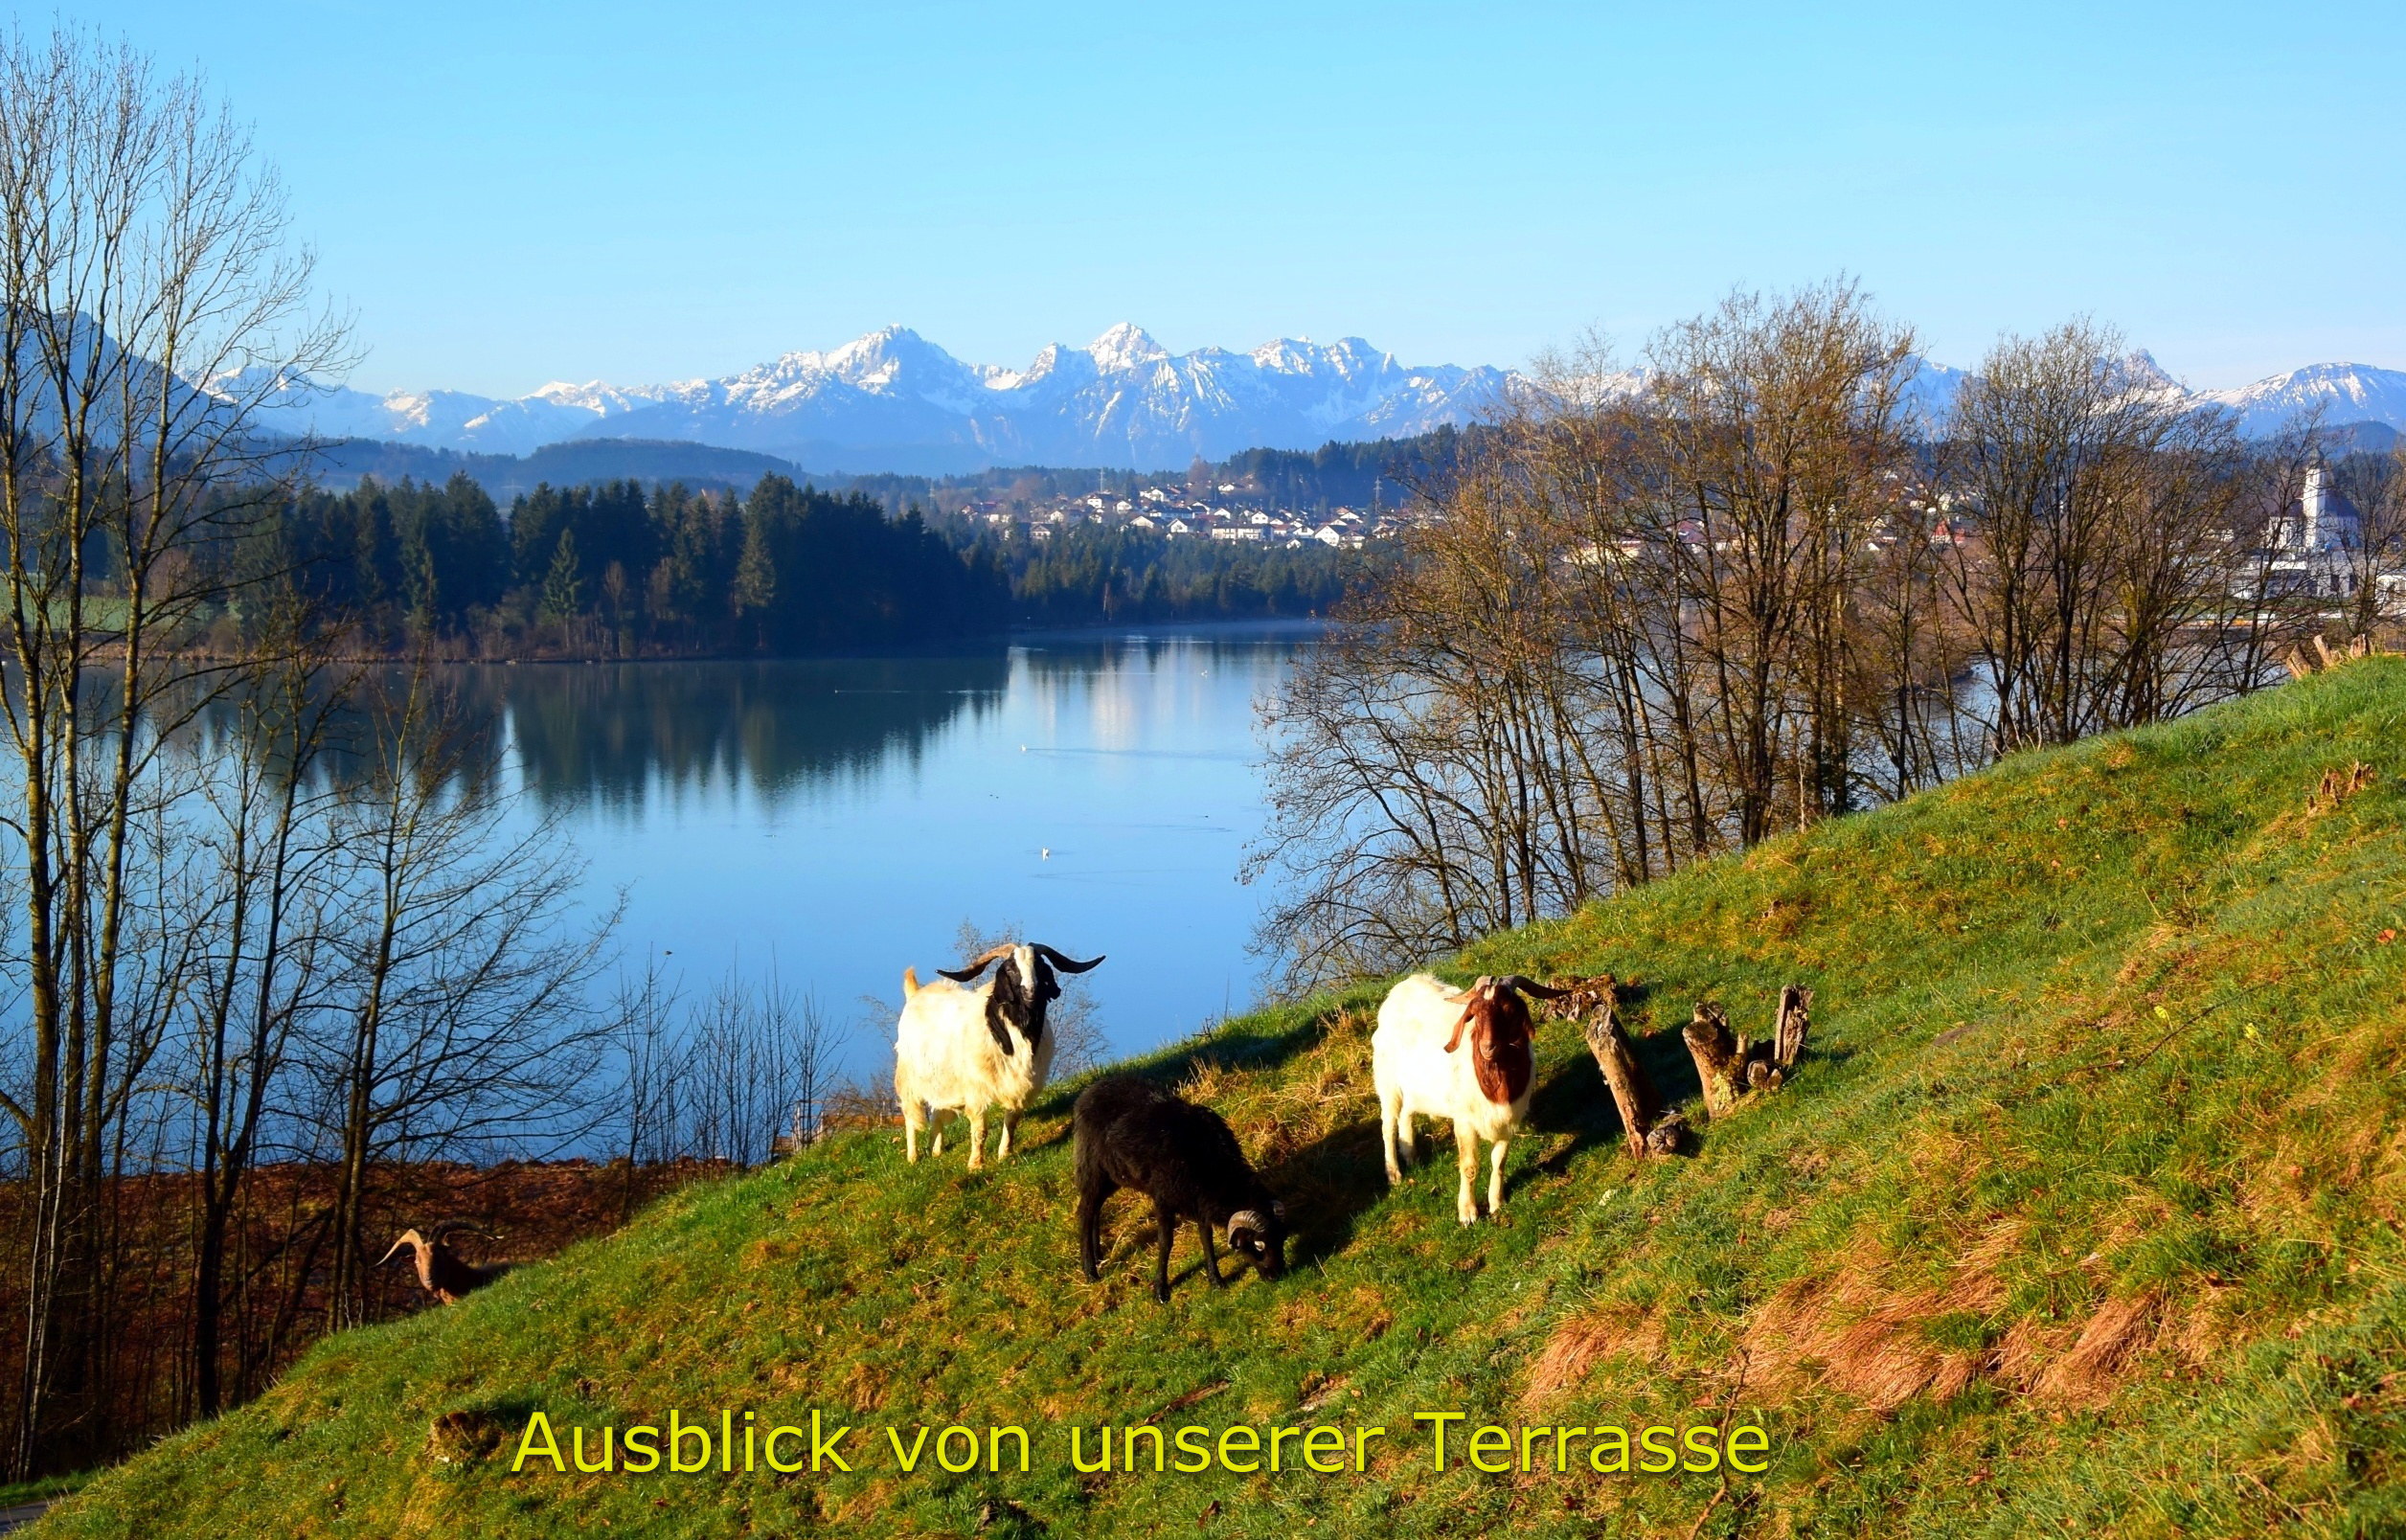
[2083, 1219]
[17, 1494]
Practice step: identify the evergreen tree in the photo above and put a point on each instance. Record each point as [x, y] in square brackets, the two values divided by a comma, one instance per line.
[563, 585]
[756, 570]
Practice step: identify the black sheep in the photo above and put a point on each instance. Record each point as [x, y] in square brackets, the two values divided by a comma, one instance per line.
[1130, 1134]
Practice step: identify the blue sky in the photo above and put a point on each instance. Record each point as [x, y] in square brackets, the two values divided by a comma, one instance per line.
[508, 193]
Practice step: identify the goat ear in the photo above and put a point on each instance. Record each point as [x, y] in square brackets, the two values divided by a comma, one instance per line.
[1459, 1022]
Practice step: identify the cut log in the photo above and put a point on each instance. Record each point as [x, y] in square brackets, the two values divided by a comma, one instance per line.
[2323, 652]
[1720, 1062]
[1789, 1029]
[1641, 1106]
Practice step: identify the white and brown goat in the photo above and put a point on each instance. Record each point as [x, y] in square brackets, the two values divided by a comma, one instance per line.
[964, 1046]
[1418, 1069]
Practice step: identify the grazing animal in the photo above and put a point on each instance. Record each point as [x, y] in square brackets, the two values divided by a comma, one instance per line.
[966, 1046]
[1131, 1134]
[1418, 1069]
[441, 1270]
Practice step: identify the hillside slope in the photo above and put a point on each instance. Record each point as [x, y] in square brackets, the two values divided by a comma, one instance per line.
[2083, 1219]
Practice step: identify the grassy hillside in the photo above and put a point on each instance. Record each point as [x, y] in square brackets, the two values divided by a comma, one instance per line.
[2083, 1219]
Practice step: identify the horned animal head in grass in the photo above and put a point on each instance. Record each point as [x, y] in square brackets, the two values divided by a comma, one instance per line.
[1495, 1012]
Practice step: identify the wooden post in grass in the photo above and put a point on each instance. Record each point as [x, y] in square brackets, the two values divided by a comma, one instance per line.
[1791, 1027]
[1720, 1065]
[1645, 1130]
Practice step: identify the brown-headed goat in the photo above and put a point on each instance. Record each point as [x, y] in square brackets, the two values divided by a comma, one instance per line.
[1418, 1069]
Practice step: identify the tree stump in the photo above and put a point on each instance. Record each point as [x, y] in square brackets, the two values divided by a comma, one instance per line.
[1729, 1066]
[1643, 1128]
[1789, 1028]
[1720, 1062]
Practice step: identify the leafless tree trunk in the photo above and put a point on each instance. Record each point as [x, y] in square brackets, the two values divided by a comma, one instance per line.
[147, 303]
[467, 1030]
[273, 851]
[2102, 577]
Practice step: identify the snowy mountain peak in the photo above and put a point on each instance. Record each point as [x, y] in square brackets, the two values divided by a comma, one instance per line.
[2341, 393]
[2145, 373]
[1125, 347]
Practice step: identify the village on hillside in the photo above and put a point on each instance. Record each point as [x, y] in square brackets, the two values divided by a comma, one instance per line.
[1225, 510]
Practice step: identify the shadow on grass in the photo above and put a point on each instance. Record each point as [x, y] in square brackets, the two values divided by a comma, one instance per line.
[1328, 1185]
[1245, 1045]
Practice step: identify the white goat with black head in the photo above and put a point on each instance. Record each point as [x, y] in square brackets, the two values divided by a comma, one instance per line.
[964, 1046]
[1417, 1068]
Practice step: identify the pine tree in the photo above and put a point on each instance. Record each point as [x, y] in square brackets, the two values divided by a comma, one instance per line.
[422, 582]
[756, 570]
[563, 586]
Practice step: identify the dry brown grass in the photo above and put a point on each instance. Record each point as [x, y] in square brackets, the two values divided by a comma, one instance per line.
[1872, 1341]
[2100, 1358]
[1580, 1343]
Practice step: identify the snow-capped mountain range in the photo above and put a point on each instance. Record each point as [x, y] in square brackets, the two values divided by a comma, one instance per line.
[892, 400]
[2346, 394]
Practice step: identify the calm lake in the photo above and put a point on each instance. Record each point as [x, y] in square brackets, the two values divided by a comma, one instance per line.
[838, 819]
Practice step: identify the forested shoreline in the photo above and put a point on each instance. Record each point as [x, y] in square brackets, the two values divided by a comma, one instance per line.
[615, 571]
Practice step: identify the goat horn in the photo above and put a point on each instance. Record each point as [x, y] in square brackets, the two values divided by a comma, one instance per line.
[1248, 1219]
[1481, 988]
[970, 970]
[407, 1236]
[1528, 987]
[1065, 964]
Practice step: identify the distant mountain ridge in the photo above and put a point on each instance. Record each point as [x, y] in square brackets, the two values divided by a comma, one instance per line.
[893, 402]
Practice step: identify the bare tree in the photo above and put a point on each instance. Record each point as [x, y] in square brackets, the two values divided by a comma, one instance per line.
[148, 301]
[271, 897]
[643, 1031]
[466, 1027]
[2373, 544]
[2103, 509]
[1658, 613]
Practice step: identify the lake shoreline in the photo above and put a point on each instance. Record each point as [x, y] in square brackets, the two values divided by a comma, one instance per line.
[983, 644]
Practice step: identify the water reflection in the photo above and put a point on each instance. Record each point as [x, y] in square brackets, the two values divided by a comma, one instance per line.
[838, 819]
[608, 735]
